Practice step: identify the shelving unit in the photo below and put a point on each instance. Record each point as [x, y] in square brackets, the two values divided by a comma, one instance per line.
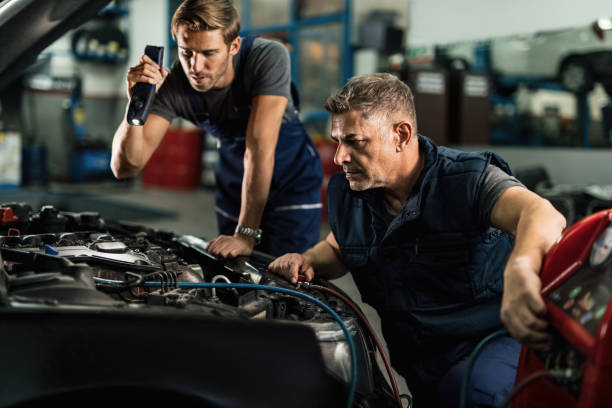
[104, 40]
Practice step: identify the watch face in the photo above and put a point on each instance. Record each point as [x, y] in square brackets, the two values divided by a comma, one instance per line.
[602, 247]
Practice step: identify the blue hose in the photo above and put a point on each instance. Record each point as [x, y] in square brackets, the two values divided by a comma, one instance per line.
[472, 360]
[349, 338]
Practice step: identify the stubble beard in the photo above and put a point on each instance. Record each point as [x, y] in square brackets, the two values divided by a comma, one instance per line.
[215, 79]
[366, 184]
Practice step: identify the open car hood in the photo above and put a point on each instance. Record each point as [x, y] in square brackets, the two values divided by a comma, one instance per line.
[29, 26]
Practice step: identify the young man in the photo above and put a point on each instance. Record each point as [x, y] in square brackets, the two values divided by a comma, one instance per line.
[238, 89]
[429, 235]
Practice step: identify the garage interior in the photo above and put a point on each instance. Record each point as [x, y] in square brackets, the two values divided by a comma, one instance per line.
[531, 81]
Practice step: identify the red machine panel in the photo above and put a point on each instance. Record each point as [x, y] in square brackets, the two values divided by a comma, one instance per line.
[577, 287]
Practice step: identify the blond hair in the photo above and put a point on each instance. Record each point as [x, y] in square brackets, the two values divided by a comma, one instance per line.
[207, 15]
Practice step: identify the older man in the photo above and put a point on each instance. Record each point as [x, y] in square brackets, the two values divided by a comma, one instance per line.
[438, 242]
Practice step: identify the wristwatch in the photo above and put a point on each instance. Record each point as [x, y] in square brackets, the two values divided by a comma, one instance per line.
[249, 232]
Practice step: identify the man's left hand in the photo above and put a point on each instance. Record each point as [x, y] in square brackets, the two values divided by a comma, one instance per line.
[231, 246]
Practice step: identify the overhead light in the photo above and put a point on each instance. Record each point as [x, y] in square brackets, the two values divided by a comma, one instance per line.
[601, 26]
[605, 23]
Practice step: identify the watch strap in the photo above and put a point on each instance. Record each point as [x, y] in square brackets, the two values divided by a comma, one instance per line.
[249, 232]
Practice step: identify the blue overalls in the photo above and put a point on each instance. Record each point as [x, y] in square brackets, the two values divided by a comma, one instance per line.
[292, 216]
[432, 273]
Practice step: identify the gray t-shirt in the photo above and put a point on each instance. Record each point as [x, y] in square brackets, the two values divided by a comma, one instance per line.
[496, 181]
[267, 72]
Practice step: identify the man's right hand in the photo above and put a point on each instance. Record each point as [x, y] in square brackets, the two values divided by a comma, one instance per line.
[146, 71]
[290, 266]
[523, 310]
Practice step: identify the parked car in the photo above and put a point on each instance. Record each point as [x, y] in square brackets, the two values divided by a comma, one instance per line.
[575, 57]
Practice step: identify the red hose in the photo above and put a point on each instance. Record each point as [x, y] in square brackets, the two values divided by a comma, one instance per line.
[381, 350]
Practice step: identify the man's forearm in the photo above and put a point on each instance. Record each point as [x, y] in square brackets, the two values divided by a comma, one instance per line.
[539, 226]
[533, 221]
[261, 137]
[258, 169]
[325, 261]
[127, 158]
[536, 226]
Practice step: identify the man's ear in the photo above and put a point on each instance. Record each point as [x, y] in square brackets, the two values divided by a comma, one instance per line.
[235, 46]
[403, 132]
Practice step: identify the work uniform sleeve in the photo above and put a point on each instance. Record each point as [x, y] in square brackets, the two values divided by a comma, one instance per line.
[268, 69]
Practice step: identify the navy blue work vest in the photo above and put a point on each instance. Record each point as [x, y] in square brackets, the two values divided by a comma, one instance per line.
[433, 274]
[297, 175]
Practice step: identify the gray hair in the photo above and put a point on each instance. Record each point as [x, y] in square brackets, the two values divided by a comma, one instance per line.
[374, 94]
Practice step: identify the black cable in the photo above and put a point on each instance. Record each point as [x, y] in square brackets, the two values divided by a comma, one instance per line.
[128, 300]
[176, 279]
[135, 282]
[157, 275]
[171, 280]
[149, 276]
[164, 281]
[126, 285]
[520, 386]
[407, 398]
[366, 323]
[137, 296]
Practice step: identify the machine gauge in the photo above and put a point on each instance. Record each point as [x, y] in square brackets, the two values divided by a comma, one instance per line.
[602, 247]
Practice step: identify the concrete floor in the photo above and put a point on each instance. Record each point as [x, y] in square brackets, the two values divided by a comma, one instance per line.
[195, 215]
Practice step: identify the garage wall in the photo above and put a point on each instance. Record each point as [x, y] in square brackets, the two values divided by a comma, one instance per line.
[443, 21]
[148, 26]
[564, 165]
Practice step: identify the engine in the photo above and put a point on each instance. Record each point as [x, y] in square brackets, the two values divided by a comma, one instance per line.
[89, 296]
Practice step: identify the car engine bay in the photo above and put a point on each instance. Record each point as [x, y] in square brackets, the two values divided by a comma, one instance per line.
[76, 278]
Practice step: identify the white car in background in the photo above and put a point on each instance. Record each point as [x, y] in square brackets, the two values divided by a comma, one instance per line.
[575, 57]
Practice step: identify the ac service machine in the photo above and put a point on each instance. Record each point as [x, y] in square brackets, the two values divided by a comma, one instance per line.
[577, 287]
